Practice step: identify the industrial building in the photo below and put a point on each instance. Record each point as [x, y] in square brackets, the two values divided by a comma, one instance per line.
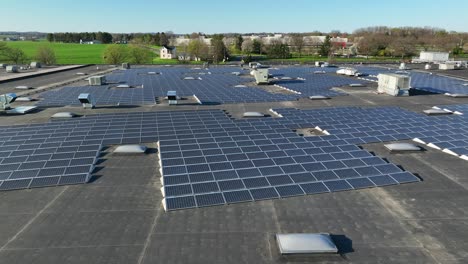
[189, 164]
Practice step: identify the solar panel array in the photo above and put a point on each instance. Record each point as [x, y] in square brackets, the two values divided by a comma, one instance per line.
[422, 81]
[206, 157]
[45, 155]
[454, 137]
[214, 85]
[313, 84]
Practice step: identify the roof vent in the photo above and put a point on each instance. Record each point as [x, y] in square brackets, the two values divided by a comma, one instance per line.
[130, 149]
[402, 147]
[63, 115]
[81, 73]
[320, 72]
[356, 85]
[21, 110]
[457, 95]
[240, 86]
[318, 97]
[306, 243]
[253, 114]
[24, 99]
[189, 78]
[434, 111]
[23, 87]
[123, 86]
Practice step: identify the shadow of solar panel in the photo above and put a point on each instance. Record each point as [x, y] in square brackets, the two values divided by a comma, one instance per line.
[44, 181]
[15, 184]
[359, 183]
[404, 177]
[180, 202]
[264, 193]
[290, 190]
[73, 179]
[237, 196]
[209, 199]
[338, 185]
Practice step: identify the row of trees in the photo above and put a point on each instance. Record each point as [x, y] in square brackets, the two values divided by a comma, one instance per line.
[407, 41]
[44, 54]
[69, 37]
[117, 54]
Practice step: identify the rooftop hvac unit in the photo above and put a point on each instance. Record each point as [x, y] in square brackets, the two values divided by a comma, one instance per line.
[261, 76]
[12, 68]
[394, 84]
[172, 97]
[35, 65]
[86, 100]
[446, 66]
[97, 80]
[125, 65]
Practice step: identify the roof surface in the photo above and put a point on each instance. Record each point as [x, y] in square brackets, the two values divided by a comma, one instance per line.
[118, 216]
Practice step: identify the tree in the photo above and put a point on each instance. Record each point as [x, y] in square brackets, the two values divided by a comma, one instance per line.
[278, 50]
[15, 55]
[46, 55]
[403, 47]
[238, 42]
[163, 39]
[257, 46]
[115, 54]
[104, 37]
[197, 48]
[297, 41]
[50, 37]
[220, 52]
[326, 47]
[139, 55]
[247, 46]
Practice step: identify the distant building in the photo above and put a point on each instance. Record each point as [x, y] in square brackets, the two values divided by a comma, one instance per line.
[187, 57]
[90, 42]
[167, 53]
[429, 56]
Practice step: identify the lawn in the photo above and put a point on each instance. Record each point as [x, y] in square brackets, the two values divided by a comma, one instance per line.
[66, 53]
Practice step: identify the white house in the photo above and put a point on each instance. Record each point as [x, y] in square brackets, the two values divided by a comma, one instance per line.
[167, 53]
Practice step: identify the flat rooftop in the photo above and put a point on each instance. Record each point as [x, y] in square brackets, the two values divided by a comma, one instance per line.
[118, 216]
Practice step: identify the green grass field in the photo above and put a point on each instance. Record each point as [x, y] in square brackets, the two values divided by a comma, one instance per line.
[65, 53]
[68, 53]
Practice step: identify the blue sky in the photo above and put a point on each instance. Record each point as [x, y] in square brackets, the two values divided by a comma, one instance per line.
[212, 16]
